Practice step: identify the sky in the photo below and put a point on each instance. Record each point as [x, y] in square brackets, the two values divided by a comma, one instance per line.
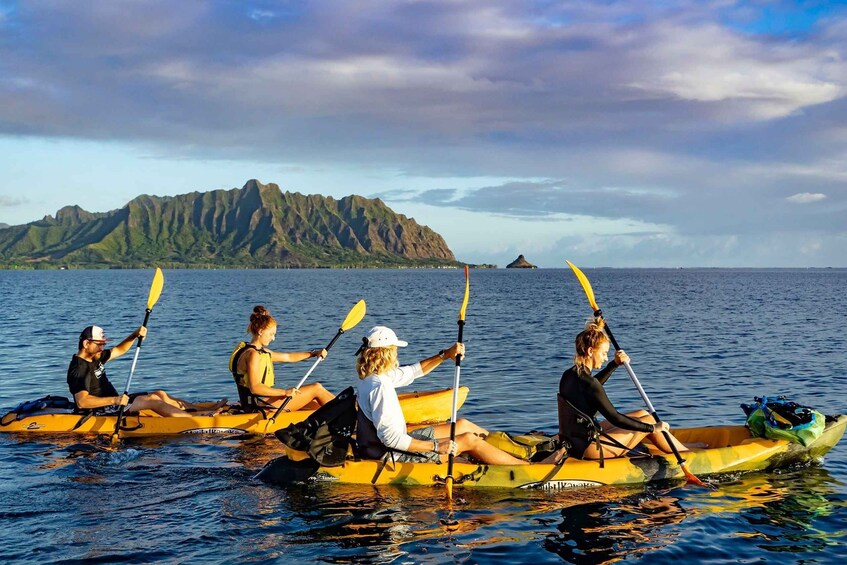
[626, 133]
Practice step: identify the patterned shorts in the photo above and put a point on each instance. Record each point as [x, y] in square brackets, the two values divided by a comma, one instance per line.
[425, 434]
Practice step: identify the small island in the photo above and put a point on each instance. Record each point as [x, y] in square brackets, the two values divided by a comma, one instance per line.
[521, 263]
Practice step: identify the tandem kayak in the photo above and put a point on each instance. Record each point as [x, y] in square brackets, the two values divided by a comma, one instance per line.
[730, 449]
[418, 407]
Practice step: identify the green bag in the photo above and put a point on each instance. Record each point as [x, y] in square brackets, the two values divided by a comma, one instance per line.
[529, 447]
[782, 419]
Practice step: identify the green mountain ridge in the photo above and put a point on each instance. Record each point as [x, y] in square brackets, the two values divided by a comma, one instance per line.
[256, 226]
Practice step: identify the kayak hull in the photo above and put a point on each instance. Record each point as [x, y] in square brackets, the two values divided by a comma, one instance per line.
[418, 407]
[732, 449]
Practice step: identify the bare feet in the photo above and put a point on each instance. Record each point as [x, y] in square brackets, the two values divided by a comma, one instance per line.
[556, 457]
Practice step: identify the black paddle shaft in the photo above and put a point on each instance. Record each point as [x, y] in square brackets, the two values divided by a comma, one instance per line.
[461, 331]
[144, 325]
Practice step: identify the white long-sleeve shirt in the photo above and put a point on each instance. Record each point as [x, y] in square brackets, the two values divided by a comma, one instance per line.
[379, 403]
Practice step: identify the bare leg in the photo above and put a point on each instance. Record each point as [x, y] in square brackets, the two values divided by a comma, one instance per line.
[463, 426]
[657, 439]
[314, 393]
[630, 439]
[150, 402]
[184, 404]
[473, 445]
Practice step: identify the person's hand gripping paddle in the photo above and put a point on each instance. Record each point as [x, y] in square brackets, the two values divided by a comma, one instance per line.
[152, 298]
[354, 316]
[449, 480]
[586, 286]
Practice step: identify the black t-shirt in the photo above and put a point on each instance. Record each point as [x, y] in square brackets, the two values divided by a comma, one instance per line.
[90, 376]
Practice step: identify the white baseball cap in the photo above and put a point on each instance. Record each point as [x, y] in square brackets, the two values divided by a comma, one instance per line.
[93, 333]
[382, 336]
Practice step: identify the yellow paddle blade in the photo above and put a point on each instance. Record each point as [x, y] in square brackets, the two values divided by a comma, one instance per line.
[155, 288]
[467, 295]
[354, 316]
[449, 484]
[586, 286]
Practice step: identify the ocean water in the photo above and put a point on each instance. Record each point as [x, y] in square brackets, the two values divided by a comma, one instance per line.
[701, 341]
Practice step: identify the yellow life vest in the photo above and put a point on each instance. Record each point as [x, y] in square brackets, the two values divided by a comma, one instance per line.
[242, 380]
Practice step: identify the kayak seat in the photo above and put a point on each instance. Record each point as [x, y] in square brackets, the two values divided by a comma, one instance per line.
[250, 403]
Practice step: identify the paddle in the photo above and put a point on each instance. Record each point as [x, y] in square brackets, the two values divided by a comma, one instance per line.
[152, 298]
[354, 316]
[586, 286]
[449, 480]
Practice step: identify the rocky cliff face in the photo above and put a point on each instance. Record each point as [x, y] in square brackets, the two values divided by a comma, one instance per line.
[255, 226]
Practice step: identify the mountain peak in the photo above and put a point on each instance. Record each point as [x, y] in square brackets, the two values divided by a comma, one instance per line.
[255, 226]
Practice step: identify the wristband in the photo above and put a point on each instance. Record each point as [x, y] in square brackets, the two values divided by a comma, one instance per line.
[434, 445]
[441, 354]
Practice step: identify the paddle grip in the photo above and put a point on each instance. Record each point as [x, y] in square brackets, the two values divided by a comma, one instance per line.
[144, 325]
[461, 331]
[332, 342]
[599, 314]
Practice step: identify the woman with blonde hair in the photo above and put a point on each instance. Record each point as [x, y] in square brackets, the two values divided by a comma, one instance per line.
[252, 368]
[381, 424]
[582, 396]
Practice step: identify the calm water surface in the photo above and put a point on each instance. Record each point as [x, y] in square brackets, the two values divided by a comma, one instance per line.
[701, 341]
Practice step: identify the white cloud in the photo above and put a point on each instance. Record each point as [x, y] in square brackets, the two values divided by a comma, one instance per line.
[711, 64]
[806, 197]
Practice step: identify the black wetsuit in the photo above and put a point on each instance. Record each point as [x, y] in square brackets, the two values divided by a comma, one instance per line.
[586, 393]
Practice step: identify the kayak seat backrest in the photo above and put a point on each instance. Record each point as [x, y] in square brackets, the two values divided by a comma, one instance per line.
[368, 444]
[573, 422]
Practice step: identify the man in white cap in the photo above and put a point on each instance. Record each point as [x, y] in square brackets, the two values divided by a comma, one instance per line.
[381, 423]
[91, 388]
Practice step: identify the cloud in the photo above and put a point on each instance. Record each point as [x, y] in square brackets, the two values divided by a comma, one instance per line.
[10, 201]
[708, 119]
[806, 197]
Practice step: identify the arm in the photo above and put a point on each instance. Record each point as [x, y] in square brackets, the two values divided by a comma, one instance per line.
[620, 358]
[87, 401]
[430, 363]
[612, 415]
[124, 346]
[296, 356]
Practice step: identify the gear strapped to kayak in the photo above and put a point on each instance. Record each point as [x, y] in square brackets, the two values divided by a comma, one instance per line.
[532, 446]
[29, 407]
[778, 418]
[326, 435]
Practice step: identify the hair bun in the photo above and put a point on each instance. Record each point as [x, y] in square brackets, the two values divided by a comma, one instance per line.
[595, 324]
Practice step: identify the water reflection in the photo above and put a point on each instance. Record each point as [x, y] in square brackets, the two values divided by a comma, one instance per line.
[798, 510]
[605, 531]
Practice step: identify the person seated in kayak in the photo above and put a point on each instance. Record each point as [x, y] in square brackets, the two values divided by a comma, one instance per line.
[381, 423]
[252, 368]
[91, 388]
[582, 396]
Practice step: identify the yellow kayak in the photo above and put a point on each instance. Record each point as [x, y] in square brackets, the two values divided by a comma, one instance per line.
[418, 407]
[729, 449]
